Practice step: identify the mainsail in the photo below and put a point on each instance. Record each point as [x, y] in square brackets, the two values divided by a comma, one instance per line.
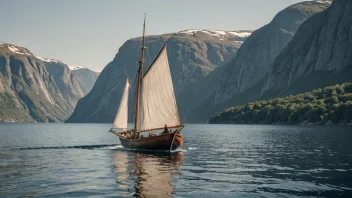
[120, 121]
[158, 103]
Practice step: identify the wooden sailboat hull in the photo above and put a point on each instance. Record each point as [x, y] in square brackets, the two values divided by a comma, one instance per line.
[169, 141]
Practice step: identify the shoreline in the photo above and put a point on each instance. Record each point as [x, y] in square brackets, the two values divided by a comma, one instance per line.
[302, 124]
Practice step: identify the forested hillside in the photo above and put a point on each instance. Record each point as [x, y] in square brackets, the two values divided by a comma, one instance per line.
[330, 105]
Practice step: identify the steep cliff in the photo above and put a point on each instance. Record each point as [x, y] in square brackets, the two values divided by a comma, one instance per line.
[243, 77]
[192, 54]
[320, 54]
[71, 87]
[85, 75]
[33, 88]
[254, 58]
[194, 95]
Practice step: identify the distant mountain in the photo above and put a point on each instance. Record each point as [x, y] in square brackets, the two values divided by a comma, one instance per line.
[87, 76]
[254, 58]
[33, 88]
[69, 85]
[194, 95]
[241, 76]
[320, 54]
[193, 54]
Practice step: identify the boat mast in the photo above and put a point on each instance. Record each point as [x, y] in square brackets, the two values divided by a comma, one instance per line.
[140, 76]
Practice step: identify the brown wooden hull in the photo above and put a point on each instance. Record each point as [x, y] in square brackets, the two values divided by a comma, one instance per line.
[169, 141]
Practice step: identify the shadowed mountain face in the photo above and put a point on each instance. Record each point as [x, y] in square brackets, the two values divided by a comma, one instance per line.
[69, 85]
[33, 88]
[320, 54]
[192, 55]
[242, 78]
[254, 58]
[85, 75]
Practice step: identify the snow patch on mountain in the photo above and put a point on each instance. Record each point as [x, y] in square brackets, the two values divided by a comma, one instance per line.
[17, 50]
[47, 59]
[241, 34]
[23, 51]
[218, 33]
[77, 67]
[318, 1]
[14, 49]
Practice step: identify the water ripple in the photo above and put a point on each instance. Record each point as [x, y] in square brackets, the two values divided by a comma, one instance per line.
[215, 161]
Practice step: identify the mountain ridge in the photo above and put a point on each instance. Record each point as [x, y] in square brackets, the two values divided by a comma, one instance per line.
[33, 88]
[239, 81]
[191, 58]
[255, 57]
[318, 55]
[322, 47]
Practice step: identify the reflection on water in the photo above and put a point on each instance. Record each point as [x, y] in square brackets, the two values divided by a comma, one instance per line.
[151, 173]
[84, 160]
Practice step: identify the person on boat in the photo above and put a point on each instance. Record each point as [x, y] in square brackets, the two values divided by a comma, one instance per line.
[166, 130]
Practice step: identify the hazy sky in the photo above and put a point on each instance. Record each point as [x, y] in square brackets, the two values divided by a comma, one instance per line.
[89, 33]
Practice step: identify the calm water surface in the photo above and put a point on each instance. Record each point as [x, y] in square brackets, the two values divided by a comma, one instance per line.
[80, 160]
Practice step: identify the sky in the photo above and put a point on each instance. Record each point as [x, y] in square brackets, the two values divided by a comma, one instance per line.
[89, 33]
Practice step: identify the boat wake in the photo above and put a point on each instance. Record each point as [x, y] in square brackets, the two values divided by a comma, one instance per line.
[91, 147]
[114, 147]
[98, 146]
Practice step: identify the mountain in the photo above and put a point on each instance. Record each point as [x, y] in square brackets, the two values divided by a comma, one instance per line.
[33, 88]
[254, 58]
[197, 93]
[87, 76]
[71, 88]
[193, 54]
[320, 54]
[241, 76]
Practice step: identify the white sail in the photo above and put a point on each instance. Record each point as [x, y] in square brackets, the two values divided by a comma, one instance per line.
[120, 121]
[158, 104]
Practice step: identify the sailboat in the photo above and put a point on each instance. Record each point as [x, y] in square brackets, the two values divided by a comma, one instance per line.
[155, 108]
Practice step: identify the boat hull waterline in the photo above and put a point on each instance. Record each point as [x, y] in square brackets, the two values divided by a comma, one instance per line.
[169, 141]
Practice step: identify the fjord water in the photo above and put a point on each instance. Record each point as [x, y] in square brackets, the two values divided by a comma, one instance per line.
[80, 160]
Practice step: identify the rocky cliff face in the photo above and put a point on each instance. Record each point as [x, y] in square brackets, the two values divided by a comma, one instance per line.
[196, 94]
[71, 87]
[85, 75]
[320, 54]
[242, 78]
[192, 54]
[255, 56]
[33, 88]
